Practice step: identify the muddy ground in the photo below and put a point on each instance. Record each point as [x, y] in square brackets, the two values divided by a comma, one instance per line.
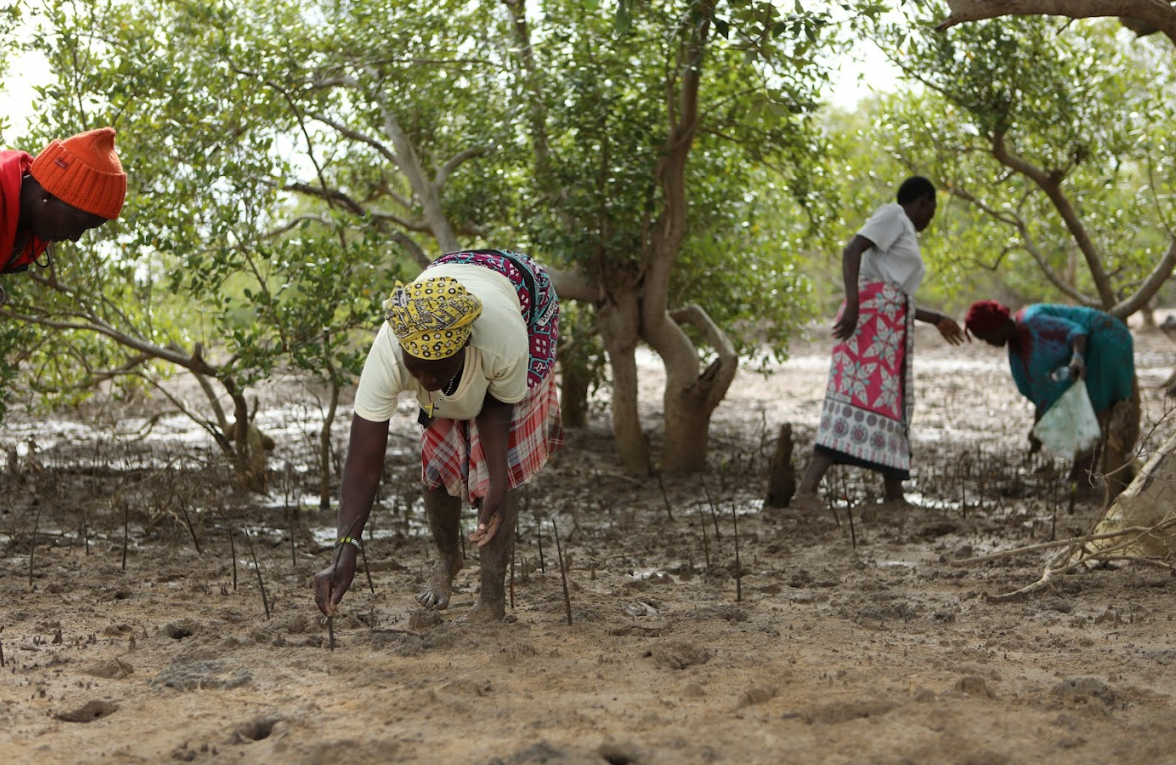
[838, 642]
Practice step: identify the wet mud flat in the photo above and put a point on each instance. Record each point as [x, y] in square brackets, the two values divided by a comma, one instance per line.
[849, 636]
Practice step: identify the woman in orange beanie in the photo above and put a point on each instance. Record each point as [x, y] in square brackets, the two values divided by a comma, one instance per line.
[69, 188]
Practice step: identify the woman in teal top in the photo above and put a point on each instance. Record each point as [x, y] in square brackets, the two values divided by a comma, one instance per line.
[1091, 345]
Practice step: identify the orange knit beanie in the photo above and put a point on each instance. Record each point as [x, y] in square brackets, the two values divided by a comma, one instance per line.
[83, 171]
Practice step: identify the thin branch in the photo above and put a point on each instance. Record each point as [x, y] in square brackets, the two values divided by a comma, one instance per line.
[294, 223]
[1050, 183]
[356, 135]
[1018, 223]
[1141, 531]
[456, 161]
[93, 325]
[327, 193]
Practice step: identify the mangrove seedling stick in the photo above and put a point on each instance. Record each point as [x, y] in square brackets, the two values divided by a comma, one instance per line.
[661, 485]
[705, 543]
[714, 513]
[126, 532]
[33, 542]
[366, 568]
[233, 550]
[563, 573]
[257, 568]
[738, 567]
[512, 564]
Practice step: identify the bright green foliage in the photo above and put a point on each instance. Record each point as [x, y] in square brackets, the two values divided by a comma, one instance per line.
[199, 270]
[289, 160]
[1058, 133]
[753, 168]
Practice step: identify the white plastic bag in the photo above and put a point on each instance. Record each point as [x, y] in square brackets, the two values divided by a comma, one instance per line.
[1070, 426]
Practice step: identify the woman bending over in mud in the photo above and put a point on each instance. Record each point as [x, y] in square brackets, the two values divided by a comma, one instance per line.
[473, 338]
[69, 188]
[869, 400]
[1095, 347]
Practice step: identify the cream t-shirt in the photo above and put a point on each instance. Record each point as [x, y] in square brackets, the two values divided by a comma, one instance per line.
[894, 258]
[496, 359]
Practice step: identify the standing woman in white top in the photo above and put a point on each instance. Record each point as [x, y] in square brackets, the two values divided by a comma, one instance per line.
[866, 417]
[474, 339]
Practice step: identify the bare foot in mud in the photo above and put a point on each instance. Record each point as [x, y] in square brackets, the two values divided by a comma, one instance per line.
[435, 594]
[484, 612]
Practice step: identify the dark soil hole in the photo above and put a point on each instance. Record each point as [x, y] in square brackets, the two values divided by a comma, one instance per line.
[619, 754]
[256, 730]
[179, 631]
[93, 710]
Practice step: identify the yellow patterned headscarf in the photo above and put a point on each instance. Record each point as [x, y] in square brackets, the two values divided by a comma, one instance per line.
[432, 318]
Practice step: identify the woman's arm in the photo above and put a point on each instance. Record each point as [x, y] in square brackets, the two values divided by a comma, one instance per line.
[361, 477]
[946, 325]
[851, 264]
[494, 432]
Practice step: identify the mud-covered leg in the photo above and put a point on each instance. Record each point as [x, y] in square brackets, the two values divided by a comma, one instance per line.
[806, 500]
[444, 514]
[892, 490]
[491, 603]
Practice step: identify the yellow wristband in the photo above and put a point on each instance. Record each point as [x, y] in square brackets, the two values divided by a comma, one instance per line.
[347, 541]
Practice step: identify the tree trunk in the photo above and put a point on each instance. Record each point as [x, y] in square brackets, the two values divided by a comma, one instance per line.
[1148, 314]
[618, 321]
[690, 398]
[249, 451]
[1118, 448]
[781, 473]
[573, 395]
[325, 450]
[687, 431]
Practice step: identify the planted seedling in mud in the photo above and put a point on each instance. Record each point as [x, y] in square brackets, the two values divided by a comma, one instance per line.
[293, 511]
[512, 564]
[233, 552]
[126, 531]
[665, 498]
[366, 568]
[33, 542]
[257, 568]
[705, 543]
[848, 509]
[331, 587]
[188, 522]
[711, 502]
[563, 572]
[738, 566]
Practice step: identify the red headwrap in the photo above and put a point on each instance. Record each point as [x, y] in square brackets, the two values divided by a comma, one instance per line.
[986, 315]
